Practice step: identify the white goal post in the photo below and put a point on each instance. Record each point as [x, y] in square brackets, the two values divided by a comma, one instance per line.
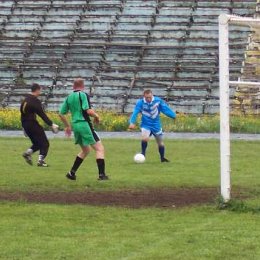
[224, 83]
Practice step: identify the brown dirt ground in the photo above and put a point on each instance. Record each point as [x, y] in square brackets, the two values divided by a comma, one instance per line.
[159, 198]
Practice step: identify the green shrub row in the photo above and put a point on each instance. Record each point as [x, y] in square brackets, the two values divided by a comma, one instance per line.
[10, 120]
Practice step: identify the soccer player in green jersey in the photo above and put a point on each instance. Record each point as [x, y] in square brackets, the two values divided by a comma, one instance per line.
[77, 103]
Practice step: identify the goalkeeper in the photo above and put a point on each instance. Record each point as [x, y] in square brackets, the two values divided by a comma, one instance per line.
[30, 107]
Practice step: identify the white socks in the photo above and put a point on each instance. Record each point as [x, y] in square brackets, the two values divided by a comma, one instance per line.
[41, 158]
[29, 151]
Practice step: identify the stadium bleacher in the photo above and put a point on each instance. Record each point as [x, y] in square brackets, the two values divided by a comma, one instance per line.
[120, 47]
[247, 98]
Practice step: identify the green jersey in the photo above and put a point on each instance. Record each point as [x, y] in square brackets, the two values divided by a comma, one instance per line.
[76, 103]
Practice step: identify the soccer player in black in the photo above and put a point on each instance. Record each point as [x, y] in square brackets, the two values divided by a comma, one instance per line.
[30, 107]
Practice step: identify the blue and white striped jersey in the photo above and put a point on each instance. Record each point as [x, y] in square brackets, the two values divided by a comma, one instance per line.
[151, 113]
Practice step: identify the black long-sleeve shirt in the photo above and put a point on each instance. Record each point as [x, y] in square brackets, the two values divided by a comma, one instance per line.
[30, 107]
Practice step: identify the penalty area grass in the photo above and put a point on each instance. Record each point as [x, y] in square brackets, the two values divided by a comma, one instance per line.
[49, 231]
[194, 163]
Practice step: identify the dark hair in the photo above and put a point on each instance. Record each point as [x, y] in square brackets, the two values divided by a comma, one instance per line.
[148, 91]
[35, 87]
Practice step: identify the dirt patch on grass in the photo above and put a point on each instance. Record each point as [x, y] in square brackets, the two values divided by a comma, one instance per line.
[160, 198]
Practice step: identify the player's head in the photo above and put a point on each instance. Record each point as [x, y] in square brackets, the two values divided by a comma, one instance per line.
[36, 89]
[78, 84]
[148, 95]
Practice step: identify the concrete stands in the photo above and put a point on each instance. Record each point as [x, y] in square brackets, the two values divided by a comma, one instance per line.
[120, 47]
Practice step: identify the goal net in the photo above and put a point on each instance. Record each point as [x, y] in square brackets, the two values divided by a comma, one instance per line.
[225, 83]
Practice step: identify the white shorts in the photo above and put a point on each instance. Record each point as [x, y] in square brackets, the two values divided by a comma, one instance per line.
[147, 133]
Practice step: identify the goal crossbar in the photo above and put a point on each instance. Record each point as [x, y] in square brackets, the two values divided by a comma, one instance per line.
[244, 83]
[224, 84]
[246, 21]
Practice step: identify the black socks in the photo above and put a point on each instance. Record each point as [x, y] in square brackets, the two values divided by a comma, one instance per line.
[78, 161]
[76, 165]
[161, 149]
[144, 146]
[101, 166]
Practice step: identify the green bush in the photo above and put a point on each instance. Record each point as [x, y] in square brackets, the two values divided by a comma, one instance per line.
[110, 121]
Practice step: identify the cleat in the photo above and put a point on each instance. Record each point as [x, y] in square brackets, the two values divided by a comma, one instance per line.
[103, 178]
[70, 176]
[28, 158]
[42, 164]
[164, 160]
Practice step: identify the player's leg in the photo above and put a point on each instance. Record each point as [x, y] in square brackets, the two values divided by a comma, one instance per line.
[100, 155]
[145, 138]
[80, 136]
[29, 132]
[27, 155]
[100, 159]
[161, 146]
[43, 143]
[78, 161]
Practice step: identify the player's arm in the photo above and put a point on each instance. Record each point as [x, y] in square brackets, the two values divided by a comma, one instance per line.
[91, 112]
[165, 109]
[133, 118]
[66, 124]
[88, 108]
[62, 114]
[40, 112]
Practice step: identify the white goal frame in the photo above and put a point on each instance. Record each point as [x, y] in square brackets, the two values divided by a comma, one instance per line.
[224, 84]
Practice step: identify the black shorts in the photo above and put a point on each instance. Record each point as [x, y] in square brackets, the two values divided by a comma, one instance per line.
[36, 133]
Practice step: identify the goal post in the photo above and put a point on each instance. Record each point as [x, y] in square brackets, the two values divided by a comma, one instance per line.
[224, 83]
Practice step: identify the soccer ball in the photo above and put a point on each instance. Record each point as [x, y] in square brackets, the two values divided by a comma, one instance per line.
[139, 158]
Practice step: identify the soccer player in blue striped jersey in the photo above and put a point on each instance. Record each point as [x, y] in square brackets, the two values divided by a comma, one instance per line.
[150, 108]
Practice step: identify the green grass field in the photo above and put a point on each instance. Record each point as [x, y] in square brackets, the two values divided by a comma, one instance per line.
[48, 231]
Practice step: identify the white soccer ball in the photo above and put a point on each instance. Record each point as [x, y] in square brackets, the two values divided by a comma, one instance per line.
[139, 158]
